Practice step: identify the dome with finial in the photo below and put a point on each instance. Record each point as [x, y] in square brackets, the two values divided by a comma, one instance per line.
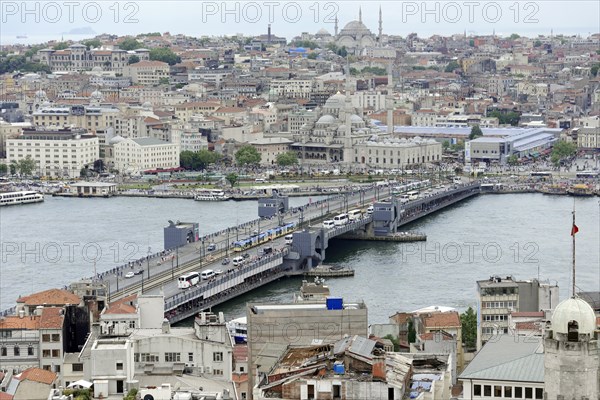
[335, 101]
[97, 95]
[574, 310]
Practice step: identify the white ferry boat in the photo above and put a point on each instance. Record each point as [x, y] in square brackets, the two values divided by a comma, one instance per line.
[23, 197]
[211, 195]
[238, 329]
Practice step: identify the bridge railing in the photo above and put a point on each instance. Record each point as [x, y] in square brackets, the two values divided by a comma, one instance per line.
[349, 226]
[196, 292]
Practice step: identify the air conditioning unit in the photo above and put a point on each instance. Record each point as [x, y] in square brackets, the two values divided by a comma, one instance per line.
[190, 365]
[201, 369]
[207, 370]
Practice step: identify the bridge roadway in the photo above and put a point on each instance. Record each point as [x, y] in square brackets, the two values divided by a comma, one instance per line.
[262, 269]
[196, 257]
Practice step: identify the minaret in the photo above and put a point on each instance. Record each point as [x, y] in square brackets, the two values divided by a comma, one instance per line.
[360, 14]
[335, 28]
[380, 26]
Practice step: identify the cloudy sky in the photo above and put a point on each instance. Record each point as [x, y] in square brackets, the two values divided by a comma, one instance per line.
[53, 19]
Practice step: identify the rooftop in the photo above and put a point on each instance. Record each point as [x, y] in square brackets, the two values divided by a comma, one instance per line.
[51, 297]
[37, 375]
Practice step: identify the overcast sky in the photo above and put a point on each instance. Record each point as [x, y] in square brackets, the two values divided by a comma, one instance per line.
[52, 19]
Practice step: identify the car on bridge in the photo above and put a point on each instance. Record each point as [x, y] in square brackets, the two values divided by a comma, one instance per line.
[138, 272]
[211, 247]
[129, 275]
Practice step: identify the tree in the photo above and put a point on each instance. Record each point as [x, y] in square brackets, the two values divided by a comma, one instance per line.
[99, 165]
[475, 132]
[198, 161]
[83, 172]
[129, 44]
[163, 81]
[26, 166]
[452, 66]
[511, 117]
[512, 160]
[286, 159]
[3, 169]
[514, 36]
[445, 145]
[186, 159]
[594, 69]
[247, 155]
[164, 54]
[232, 178]
[537, 43]
[61, 46]
[561, 150]
[13, 168]
[312, 56]
[394, 341]
[412, 333]
[468, 320]
[133, 59]
[92, 43]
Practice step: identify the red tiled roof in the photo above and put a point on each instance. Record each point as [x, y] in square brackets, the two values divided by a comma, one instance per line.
[230, 110]
[52, 318]
[150, 64]
[14, 322]
[528, 314]
[442, 320]
[432, 336]
[38, 375]
[528, 326]
[5, 396]
[51, 296]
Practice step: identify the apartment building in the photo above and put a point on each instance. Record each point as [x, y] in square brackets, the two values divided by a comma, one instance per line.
[92, 118]
[497, 297]
[147, 72]
[78, 58]
[142, 154]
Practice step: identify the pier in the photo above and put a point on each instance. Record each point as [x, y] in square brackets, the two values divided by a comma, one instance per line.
[275, 259]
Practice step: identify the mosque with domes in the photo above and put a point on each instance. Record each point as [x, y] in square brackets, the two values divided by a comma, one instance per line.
[355, 36]
[341, 134]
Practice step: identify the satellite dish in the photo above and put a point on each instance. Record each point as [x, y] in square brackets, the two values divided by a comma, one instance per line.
[148, 397]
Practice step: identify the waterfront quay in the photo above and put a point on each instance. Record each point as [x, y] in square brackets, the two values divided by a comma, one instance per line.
[158, 273]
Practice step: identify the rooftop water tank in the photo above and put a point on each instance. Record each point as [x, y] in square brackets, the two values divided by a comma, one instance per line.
[338, 368]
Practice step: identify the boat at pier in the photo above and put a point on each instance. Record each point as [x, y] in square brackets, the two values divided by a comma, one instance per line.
[22, 197]
[211, 195]
[580, 190]
[238, 329]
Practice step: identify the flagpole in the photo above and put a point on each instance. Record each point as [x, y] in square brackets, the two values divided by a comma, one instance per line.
[574, 231]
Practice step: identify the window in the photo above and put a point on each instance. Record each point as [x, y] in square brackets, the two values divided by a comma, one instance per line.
[539, 393]
[29, 350]
[55, 337]
[45, 337]
[46, 353]
[218, 356]
[497, 391]
[190, 357]
[518, 392]
[148, 357]
[132, 324]
[3, 351]
[476, 390]
[528, 393]
[172, 357]
[487, 391]
[217, 372]
[508, 392]
[77, 367]
[55, 353]
[17, 351]
[119, 366]
[241, 369]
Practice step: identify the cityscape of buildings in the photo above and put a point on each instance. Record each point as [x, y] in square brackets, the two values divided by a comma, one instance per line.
[354, 100]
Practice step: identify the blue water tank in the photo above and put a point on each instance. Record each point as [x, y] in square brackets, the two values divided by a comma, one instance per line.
[338, 368]
[335, 303]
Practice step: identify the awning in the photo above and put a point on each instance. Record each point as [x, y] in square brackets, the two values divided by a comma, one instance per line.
[81, 383]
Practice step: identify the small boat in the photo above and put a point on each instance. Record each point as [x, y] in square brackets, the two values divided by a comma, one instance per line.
[211, 195]
[21, 36]
[23, 197]
[238, 329]
[580, 190]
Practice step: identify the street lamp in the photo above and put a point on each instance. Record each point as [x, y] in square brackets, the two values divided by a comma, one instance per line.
[148, 260]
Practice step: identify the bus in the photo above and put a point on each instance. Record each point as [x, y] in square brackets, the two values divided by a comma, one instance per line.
[413, 195]
[340, 220]
[541, 174]
[588, 174]
[188, 280]
[354, 215]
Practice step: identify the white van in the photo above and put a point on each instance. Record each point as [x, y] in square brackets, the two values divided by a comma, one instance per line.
[328, 223]
[340, 220]
[354, 215]
[209, 273]
[237, 261]
[370, 209]
[404, 198]
[259, 180]
[413, 195]
[289, 238]
[457, 180]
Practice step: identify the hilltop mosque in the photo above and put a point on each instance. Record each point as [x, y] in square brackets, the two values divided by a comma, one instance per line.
[355, 36]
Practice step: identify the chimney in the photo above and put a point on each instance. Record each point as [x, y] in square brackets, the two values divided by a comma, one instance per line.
[269, 34]
[166, 327]
[379, 368]
[21, 313]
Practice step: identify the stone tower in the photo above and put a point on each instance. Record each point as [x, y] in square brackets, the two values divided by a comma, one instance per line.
[571, 361]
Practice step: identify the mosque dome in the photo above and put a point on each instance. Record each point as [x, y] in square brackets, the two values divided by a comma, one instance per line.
[326, 119]
[322, 32]
[355, 119]
[355, 28]
[147, 105]
[574, 309]
[40, 93]
[96, 94]
[335, 101]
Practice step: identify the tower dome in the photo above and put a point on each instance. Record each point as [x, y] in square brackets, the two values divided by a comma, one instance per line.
[336, 101]
[574, 310]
